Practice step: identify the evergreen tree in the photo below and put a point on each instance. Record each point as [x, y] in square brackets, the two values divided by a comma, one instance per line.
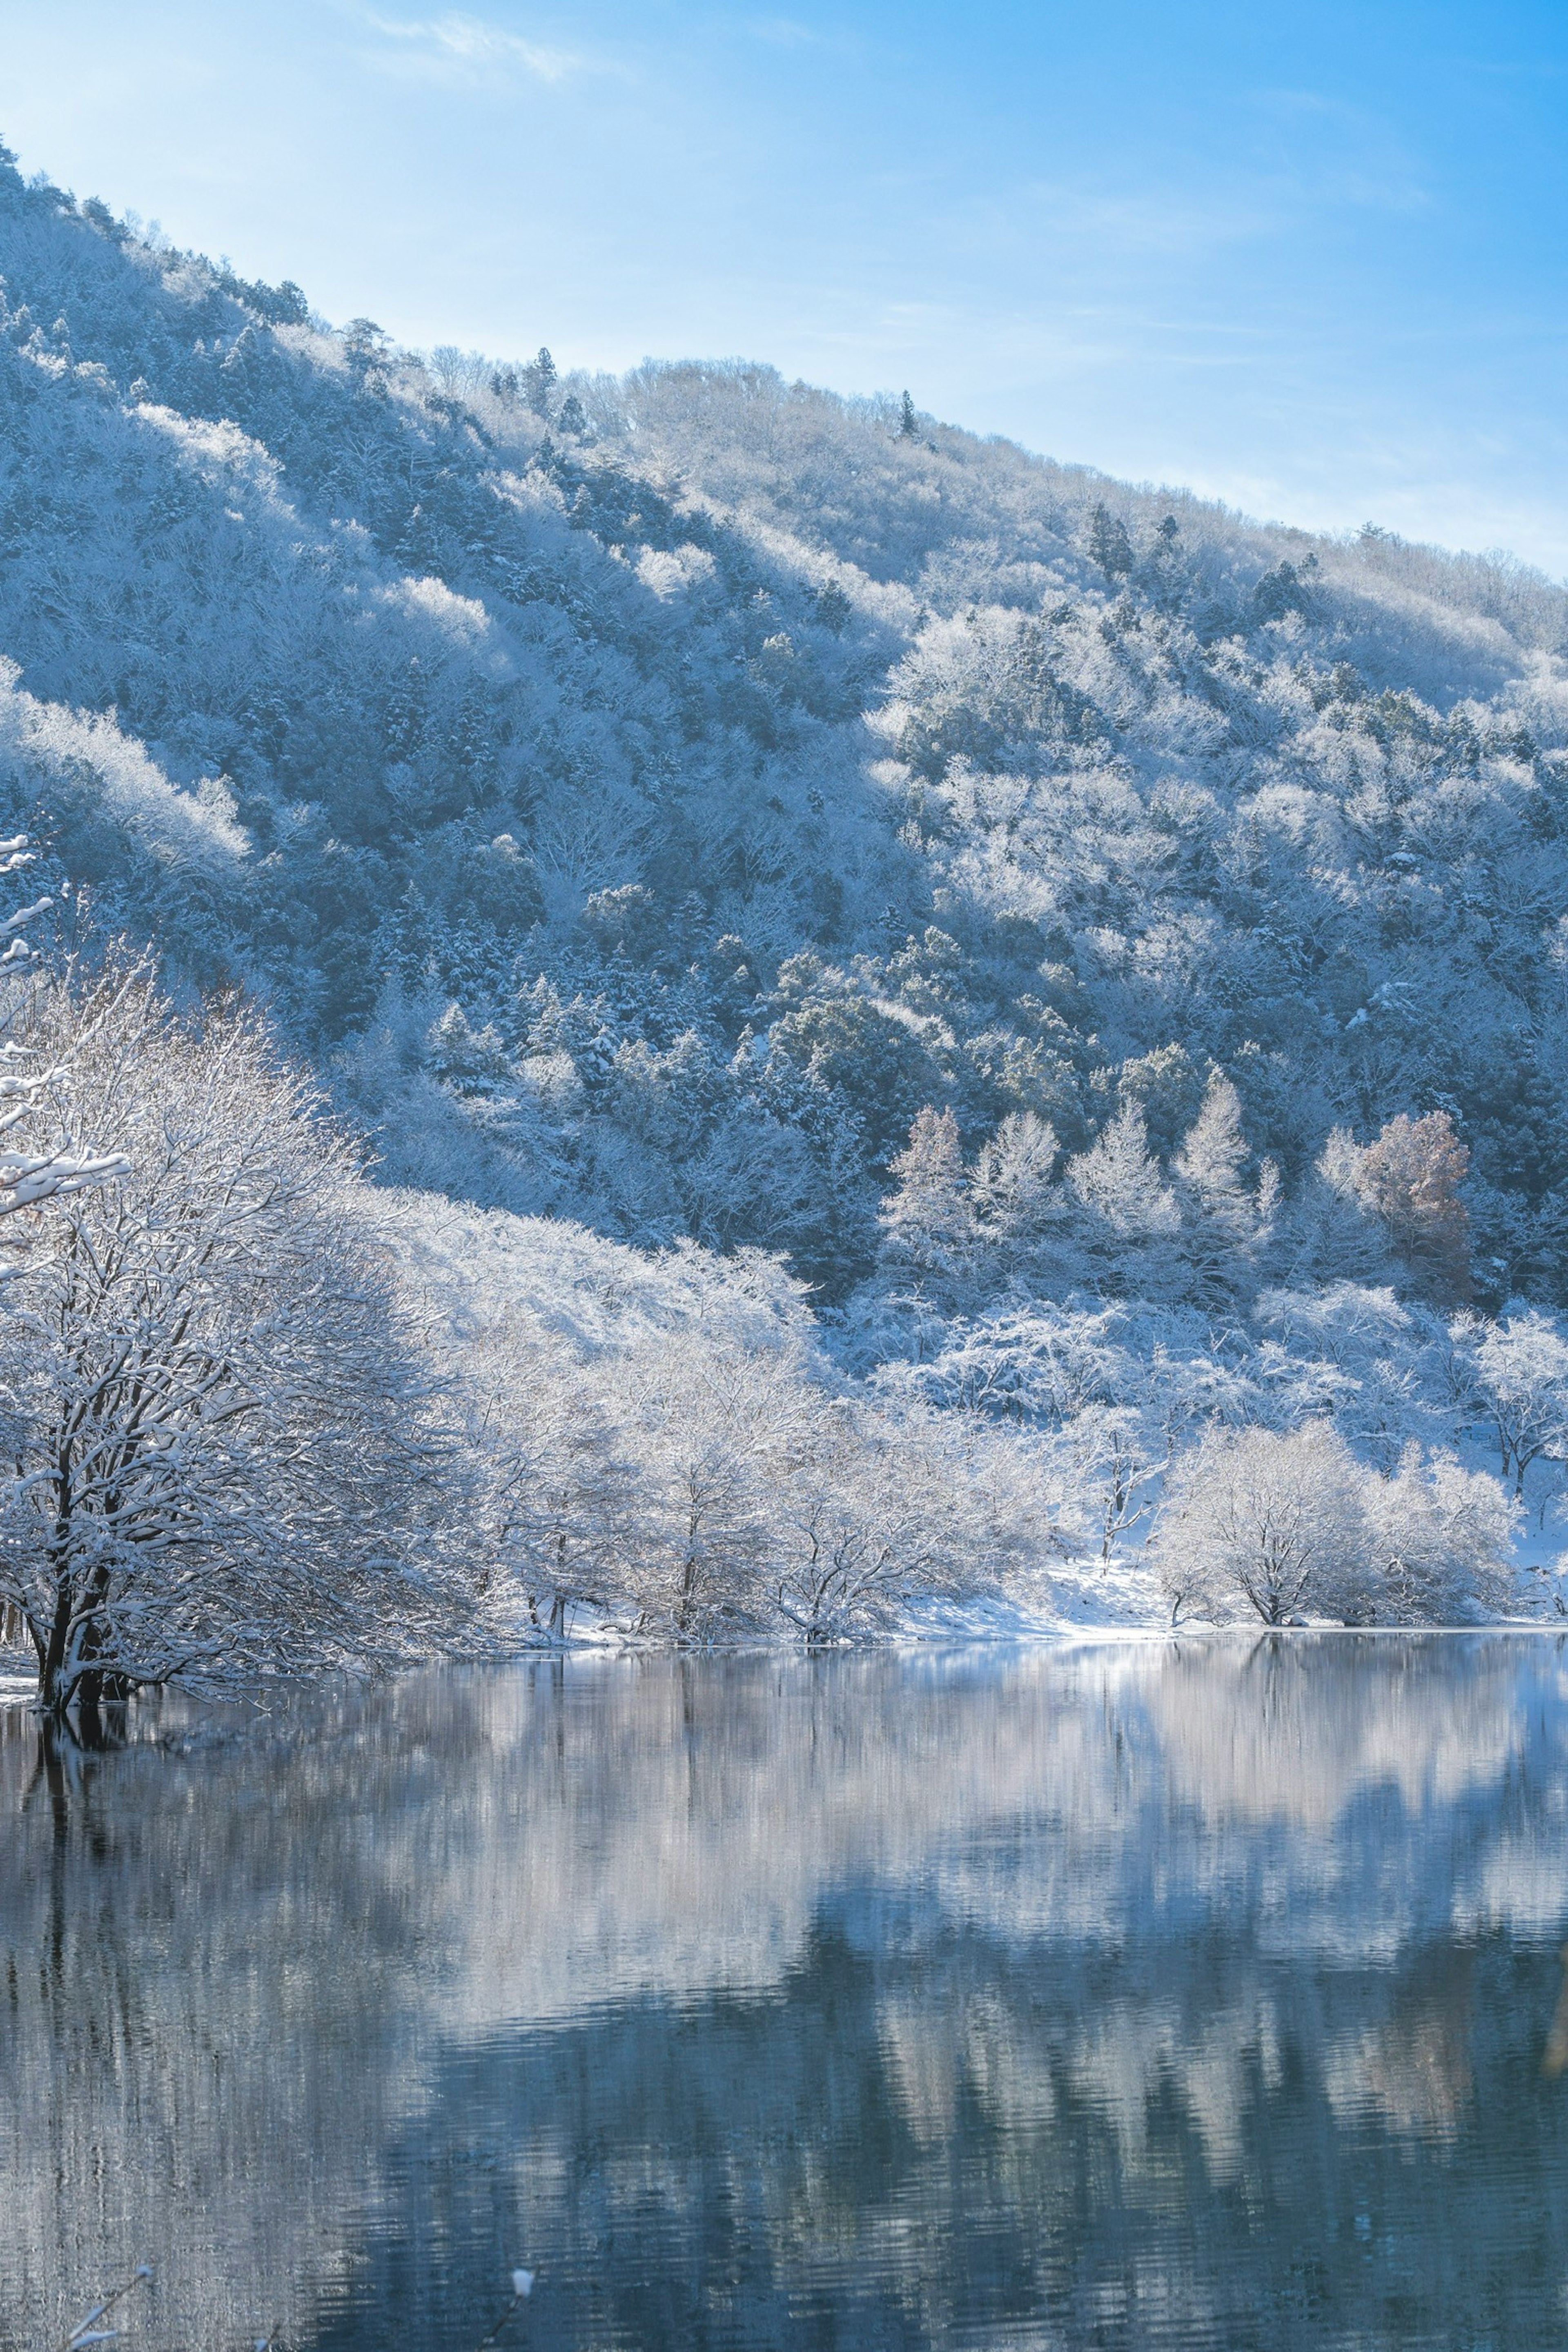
[1108, 543]
[928, 1225]
[539, 382]
[1226, 1224]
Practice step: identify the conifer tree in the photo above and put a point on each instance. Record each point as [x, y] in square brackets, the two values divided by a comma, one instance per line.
[539, 382]
[927, 1221]
[1108, 543]
[1226, 1224]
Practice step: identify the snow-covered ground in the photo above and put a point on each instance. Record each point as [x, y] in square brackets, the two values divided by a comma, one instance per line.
[1123, 1597]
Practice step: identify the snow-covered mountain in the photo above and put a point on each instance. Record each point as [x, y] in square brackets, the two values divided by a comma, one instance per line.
[646, 796]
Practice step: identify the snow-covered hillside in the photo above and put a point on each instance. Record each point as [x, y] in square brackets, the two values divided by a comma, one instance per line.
[751, 772]
[1113, 953]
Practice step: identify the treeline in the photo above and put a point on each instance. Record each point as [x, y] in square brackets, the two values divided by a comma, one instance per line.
[263, 1418]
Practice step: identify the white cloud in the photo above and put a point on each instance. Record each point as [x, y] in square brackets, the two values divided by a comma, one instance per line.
[456, 49]
[784, 33]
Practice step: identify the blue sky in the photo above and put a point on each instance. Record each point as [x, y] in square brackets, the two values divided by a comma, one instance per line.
[1311, 259]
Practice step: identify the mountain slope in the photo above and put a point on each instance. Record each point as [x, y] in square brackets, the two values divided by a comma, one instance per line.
[650, 795]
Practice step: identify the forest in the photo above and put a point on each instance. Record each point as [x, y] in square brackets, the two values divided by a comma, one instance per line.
[681, 1008]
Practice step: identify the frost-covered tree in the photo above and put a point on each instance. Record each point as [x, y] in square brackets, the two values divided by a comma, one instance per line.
[1382, 1369]
[1410, 1177]
[1128, 1216]
[711, 1423]
[1227, 1224]
[223, 1462]
[1012, 1186]
[1023, 1217]
[1117, 1452]
[927, 1223]
[867, 1520]
[1329, 1233]
[1263, 1524]
[1520, 1366]
[557, 1507]
[28, 1177]
[1440, 1537]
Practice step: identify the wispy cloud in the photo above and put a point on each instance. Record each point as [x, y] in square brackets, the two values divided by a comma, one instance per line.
[784, 33]
[458, 49]
[787, 33]
[1322, 150]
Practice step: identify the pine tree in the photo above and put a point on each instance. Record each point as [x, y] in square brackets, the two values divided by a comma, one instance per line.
[1108, 543]
[927, 1222]
[1226, 1224]
[539, 382]
[907, 424]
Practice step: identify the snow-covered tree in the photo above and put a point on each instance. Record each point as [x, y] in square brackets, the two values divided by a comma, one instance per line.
[1263, 1524]
[1410, 1177]
[711, 1421]
[867, 1520]
[1024, 1216]
[223, 1458]
[1329, 1233]
[1440, 1537]
[927, 1223]
[29, 1177]
[1380, 1369]
[1520, 1365]
[557, 1508]
[1227, 1224]
[1118, 1454]
[1127, 1214]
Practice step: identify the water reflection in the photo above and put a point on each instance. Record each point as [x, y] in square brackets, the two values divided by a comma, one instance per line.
[1204, 1995]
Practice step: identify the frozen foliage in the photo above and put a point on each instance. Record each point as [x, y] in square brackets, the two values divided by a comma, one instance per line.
[1281, 1527]
[222, 1461]
[1268, 1523]
[1043, 973]
[752, 773]
[661, 1442]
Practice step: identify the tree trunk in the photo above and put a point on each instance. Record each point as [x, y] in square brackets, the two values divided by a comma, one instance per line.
[53, 1689]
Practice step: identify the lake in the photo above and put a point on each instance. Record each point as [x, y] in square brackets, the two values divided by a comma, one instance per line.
[1143, 1994]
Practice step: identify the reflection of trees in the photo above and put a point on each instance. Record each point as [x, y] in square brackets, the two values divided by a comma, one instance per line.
[204, 2016]
[1115, 1982]
[771, 2170]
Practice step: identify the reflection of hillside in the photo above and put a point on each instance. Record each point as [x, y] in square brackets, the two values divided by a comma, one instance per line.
[928, 2149]
[749, 1969]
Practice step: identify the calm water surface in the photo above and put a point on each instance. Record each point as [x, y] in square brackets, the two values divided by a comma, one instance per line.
[1124, 1996]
